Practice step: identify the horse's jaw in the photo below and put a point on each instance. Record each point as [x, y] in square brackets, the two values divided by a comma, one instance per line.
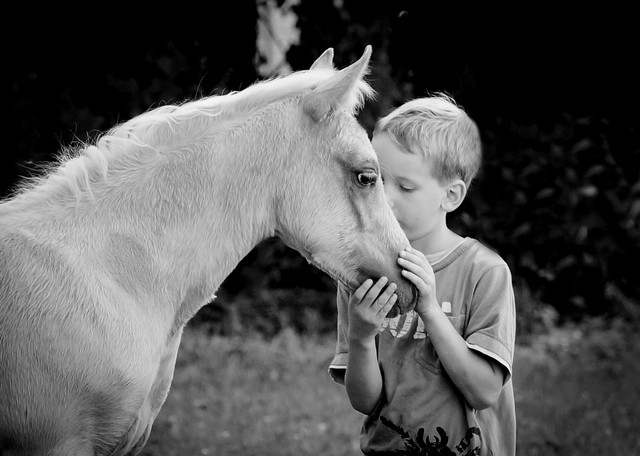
[321, 265]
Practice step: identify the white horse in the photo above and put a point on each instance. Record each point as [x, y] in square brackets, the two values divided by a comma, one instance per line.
[105, 258]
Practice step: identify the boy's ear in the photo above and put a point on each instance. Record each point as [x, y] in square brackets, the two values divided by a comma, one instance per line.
[456, 192]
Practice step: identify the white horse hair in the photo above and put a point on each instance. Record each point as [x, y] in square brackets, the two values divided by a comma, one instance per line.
[105, 257]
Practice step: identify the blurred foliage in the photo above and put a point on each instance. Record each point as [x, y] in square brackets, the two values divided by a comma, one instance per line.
[559, 193]
[560, 201]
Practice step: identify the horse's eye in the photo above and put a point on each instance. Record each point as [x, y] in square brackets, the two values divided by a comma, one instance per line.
[367, 178]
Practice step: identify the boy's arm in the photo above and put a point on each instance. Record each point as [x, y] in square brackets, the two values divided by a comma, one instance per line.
[363, 379]
[479, 378]
[338, 365]
[367, 309]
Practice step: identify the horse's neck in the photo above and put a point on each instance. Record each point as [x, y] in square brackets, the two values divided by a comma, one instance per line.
[212, 208]
[186, 223]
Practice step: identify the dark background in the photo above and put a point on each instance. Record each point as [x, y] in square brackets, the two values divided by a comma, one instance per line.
[554, 92]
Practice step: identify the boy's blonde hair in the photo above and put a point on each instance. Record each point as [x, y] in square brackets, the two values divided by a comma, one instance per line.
[439, 130]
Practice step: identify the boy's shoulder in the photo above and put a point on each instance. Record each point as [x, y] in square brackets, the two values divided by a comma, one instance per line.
[485, 253]
[473, 253]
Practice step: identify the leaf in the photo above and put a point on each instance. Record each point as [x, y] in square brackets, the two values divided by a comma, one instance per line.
[566, 262]
[521, 230]
[588, 191]
[595, 170]
[444, 438]
[420, 440]
[582, 145]
[545, 193]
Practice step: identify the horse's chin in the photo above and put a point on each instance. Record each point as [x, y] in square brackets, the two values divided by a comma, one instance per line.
[410, 304]
[395, 311]
[399, 310]
[400, 307]
[349, 285]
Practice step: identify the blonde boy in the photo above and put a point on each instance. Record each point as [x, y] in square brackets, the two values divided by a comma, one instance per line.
[437, 379]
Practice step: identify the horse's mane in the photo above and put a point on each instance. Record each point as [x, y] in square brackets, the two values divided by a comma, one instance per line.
[151, 133]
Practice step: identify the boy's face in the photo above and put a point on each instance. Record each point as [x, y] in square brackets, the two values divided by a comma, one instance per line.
[415, 196]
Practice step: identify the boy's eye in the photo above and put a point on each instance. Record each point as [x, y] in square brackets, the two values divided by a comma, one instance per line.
[406, 189]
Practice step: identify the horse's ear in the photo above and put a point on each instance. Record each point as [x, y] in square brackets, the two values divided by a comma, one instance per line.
[324, 62]
[341, 89]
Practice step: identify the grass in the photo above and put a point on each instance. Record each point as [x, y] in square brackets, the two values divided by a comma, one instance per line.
[577, 393]
[233, 396]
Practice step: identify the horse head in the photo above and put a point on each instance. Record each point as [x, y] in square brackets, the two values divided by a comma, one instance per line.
[333, 209]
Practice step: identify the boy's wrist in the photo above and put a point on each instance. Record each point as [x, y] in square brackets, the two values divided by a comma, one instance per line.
[363, 343]
[429, 313]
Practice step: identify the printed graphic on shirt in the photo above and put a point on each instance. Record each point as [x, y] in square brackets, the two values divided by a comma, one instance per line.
[425, 446]
[393, 325]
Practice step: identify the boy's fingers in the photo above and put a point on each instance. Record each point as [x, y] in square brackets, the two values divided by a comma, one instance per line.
[413, 257]
[389, 291]
[386, 308]
[363, 289]
[384, 297]
[414, 251]
[415, 279]
[407, 265]
[374, 291]
[368, 291]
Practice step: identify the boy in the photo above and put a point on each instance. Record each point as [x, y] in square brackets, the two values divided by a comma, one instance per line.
[435, 380]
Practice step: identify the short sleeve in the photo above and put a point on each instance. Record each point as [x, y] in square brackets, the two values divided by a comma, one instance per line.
[491, 324]
[338, 366]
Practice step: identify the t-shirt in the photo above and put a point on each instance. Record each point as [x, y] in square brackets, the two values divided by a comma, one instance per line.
[420, 407]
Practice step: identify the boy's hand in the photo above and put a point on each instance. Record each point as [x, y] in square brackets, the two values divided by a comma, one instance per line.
[368, 307]
[418, 271]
